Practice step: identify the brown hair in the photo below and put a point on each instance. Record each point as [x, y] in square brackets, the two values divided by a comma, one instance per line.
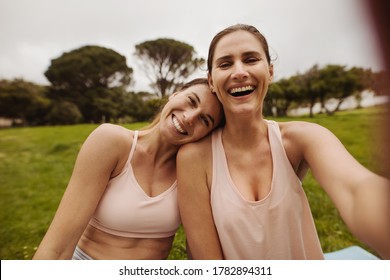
[249, 28]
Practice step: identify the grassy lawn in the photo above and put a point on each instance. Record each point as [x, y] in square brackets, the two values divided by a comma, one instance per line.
[36, 163]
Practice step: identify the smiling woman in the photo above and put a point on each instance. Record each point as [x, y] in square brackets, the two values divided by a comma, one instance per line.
[120, 202]
[240, 189]
[196, 103]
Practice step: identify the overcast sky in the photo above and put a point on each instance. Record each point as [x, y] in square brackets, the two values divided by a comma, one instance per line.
[300, 33]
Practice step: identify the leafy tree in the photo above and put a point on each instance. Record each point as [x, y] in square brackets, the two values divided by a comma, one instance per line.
[364, 81]
[167, 63]
[310, 87]
[282, 94]
[139, 106]
[340, 83]
[89, 67]
[89, 77]
[64, 112]
[23, 100]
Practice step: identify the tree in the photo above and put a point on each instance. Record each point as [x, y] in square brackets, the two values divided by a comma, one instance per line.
[89, 78]
[63, 112]
[23, 100]
[140, 106]
[310, 86]
[282, 94]
[340, 83]
[167, 63]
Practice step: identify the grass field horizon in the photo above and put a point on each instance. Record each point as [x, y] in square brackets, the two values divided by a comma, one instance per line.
[36, 164]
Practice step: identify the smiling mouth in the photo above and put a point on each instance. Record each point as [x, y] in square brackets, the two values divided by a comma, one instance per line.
[241, 91]
[178, 126]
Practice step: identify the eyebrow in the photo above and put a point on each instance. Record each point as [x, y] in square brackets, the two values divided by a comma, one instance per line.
[198, 99]
[249, 53]
[196, 96]
[244, 54]
[222, 58]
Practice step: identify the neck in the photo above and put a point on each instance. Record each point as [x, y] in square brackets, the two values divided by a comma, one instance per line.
[245, 132]
[155, 147]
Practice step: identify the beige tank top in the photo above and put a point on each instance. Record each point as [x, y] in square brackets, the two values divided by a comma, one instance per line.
[280, 226]
[126, 210]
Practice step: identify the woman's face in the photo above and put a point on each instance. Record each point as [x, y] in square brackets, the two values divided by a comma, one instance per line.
[240, 73]
[190, 115]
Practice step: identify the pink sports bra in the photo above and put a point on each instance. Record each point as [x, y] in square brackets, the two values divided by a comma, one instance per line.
[126, 210]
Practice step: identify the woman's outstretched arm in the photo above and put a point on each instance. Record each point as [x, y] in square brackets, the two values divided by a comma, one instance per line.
[361, 196]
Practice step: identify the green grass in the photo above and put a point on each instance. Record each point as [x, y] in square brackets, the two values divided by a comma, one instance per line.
[36, 163]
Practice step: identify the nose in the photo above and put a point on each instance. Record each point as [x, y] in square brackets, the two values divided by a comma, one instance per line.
[239, 71]
[190, 117]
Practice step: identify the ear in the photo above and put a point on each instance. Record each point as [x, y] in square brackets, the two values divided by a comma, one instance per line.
[271, 73]
[210, 82]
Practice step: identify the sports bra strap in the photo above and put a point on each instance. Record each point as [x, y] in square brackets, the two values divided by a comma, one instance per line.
[134, 144]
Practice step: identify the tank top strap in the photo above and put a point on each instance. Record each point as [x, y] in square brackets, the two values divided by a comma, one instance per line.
[133, 145]
[274, 127]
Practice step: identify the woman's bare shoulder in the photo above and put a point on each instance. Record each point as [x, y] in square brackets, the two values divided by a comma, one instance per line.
[298, 131]
[109, 140]
[200, 150]
[296, 126]
[112, 132]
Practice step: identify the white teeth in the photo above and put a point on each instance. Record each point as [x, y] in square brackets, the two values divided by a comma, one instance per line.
[177, 125]
[241, 89]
